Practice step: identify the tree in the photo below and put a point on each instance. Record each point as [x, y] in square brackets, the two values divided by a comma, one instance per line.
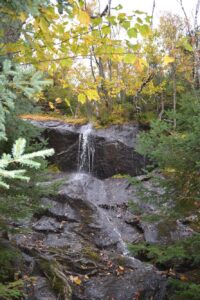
[15, 80]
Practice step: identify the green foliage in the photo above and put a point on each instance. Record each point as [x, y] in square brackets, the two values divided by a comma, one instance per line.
[176, 151]
[12, 290]
[62, 100]
[16, 82]
[10, 261]
[182, 252]
[19, 157]
[23, 199]
[183, 290]
[24, 5]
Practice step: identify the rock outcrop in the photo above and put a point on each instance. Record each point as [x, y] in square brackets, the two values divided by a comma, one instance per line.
[79, 243]
[114, 148]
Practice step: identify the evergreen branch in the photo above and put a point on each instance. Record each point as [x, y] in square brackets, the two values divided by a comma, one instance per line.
[22, 159]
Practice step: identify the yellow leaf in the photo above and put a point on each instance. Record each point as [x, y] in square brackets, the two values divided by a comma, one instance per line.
[58, 100]
[129, 58]
[168, 59]
[81, 98]
[51, 105]
[83, 17]
[65, 85]
[75, 279]
[44, 26]
[22, 17]
[92, 94]
[183, 278]
[139, 65]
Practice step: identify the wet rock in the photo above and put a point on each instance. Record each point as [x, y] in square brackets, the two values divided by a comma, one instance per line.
[132, 285]
[43, 290]
[82, 237]
[47, 224]
[165, 232]
[59, 210]
[114, 148]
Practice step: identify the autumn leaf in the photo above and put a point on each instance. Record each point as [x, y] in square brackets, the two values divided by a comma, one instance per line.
[82, 98]
[23, 16]
[51, 105]
[168, 59]
[83, 17]
[58, 100]
[129, 58]
[75, 279]
[120, 270]
[183, 278]
[92, 94]
[44, 25]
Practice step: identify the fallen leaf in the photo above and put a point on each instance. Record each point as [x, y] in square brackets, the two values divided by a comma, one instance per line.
[75, 279]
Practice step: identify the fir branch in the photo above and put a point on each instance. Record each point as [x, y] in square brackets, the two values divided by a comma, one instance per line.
[19, 157]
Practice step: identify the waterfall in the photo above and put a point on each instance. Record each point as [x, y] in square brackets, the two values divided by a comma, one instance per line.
[86, 149]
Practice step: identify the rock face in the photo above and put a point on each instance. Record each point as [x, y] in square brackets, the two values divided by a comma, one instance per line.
[77, 246]
[79, 243]
[113, 148]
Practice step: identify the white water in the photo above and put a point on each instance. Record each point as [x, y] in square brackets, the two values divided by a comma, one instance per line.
[86, 149]
[86, 152]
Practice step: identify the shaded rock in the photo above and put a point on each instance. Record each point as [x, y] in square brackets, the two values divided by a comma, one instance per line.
[131, 285]
[59, 210]
[114, 148]
[43, 290]
[47, 224]
[165, 232]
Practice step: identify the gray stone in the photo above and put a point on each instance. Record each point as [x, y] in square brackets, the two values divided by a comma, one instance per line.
[114, 148]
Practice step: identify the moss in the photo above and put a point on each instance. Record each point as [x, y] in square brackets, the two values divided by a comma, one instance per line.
[57, 278]
[12, 290]
[10, 262]
[119, 176]
[183, 290]
[121, 261]
[55, 117]
[91, 253]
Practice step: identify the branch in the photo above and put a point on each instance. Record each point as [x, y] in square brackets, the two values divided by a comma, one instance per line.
[186, 17]
[196, 15]
[144, 83]
[152, 14]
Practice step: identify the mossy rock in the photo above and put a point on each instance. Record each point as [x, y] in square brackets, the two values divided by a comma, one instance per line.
[53, 270]
[91, 253]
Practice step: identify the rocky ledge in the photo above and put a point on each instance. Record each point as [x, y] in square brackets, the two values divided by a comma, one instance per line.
[112, 150]
[77, 246]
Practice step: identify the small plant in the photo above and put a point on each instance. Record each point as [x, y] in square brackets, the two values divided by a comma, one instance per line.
[179, 290]
[183, 252]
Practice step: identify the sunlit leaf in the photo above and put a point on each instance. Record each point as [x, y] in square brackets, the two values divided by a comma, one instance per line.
[82, 98]
[92, 94]
[83, 17]
[168, 59]
[132, 32]
[129, 58]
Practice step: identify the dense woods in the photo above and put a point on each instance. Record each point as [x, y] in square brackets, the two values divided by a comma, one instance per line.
[77, 61]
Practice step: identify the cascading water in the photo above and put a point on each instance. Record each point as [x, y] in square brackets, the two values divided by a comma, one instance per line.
[86, 149]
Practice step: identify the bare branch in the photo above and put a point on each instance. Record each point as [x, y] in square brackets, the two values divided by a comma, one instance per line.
[152, 14]
[186, 17]
[196, 15]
